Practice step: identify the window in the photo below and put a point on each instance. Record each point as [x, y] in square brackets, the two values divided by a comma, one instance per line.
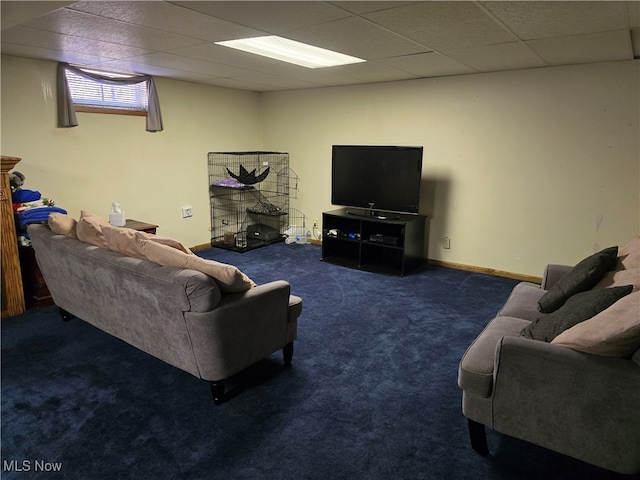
[91, 91]
[102, 96]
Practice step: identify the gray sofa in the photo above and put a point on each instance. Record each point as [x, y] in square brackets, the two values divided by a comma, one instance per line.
[178, 315]
[580, 404]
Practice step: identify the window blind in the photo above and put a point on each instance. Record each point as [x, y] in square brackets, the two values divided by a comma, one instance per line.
[115, 87]
[96, 93]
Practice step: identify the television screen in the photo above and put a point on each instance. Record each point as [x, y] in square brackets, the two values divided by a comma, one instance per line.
[376, 177]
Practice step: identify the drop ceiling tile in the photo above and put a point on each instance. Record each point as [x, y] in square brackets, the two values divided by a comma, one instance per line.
[532, 20]
[358, 37]
[430, 64]
[70, 22]
[175, 39]
[492, 58]
[274, 81]
[14, 13]
[443, 25]
[274, 17]
[67, 43]
[238, 84]
[365, 6]
[148, 69]
[230, 56]
[318, 76]
[590, 48]
[40, 53]
[168, 17]
[186, 64]
[372, 72]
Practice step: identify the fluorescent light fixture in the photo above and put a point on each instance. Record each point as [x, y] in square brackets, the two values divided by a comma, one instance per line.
[291, 51]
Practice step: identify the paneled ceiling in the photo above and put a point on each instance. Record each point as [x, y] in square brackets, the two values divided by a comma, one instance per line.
[399, 40]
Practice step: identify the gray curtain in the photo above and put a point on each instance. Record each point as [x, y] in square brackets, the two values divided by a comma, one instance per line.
[67, 112]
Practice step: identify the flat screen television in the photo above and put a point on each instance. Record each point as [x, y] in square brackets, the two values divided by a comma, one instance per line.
[376, 178]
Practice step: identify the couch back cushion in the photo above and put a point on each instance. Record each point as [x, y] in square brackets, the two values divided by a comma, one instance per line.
[619, 278]
[629, 255]
[89, 229]
[229, 278]
[122, 240]
[63, 224]
[126, 241]
[614, 332]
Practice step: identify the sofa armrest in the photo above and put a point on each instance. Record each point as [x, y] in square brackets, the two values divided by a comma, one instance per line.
[244, 328]
[553, 273]
[579, 404]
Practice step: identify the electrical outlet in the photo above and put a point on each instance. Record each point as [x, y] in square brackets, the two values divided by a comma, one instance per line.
[187, 211]
[446, 243]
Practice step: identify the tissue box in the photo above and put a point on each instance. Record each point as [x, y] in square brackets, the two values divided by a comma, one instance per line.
[117, 219]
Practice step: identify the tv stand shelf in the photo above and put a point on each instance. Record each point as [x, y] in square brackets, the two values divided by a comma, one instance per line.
[383, 243]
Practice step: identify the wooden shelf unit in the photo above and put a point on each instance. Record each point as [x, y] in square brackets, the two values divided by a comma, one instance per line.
[12, 293]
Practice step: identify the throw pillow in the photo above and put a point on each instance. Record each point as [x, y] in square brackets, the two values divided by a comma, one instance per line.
[629, 255]
[580, 307]
[122, 240]
[89, 229]
[614, 332]
[228, 277]
[169, 242]
[580, 278]
[63, 224]
[125, 241]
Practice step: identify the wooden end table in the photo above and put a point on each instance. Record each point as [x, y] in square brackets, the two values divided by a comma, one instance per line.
[141, 226]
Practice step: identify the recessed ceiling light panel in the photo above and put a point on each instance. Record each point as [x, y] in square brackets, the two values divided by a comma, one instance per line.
[286, 50]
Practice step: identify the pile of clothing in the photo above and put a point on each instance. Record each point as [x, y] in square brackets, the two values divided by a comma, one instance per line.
[30, 207]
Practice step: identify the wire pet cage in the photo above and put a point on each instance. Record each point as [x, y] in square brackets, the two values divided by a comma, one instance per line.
[249, 195]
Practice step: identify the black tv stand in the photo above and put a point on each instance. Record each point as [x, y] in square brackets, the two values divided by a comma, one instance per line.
[382, 244]
[374, 214]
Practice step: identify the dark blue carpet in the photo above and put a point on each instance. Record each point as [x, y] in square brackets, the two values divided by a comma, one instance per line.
[372, 393]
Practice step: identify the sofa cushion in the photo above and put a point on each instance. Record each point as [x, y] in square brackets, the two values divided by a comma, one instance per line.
[122, 240]
[629, 255]
[63, 224]
[578, 308]
[619, 278]
[523, 302]
[580, 278]
[475, 373]
[228, 277]
[169, 242]
[125, 241]
[614, 332]
[89, 229]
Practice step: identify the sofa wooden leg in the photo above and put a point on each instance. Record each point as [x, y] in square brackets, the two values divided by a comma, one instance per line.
[217, 392]
[478, 438]
[66, 316]
[287, 352]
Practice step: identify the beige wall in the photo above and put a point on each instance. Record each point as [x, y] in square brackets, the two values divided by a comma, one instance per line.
[111, 158]
[520, 168]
